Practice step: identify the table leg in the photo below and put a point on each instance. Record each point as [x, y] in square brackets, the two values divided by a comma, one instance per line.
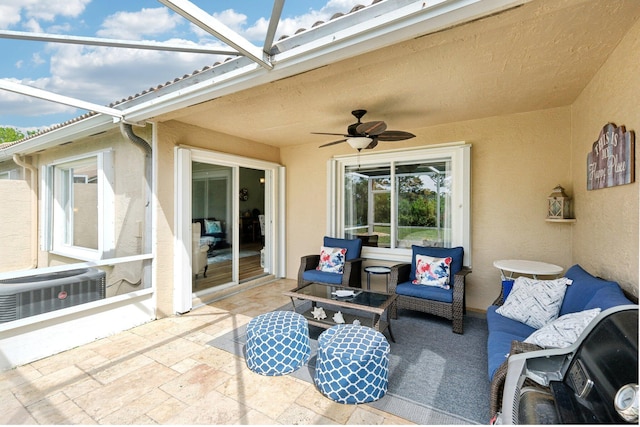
[368, 281]
[389, 327]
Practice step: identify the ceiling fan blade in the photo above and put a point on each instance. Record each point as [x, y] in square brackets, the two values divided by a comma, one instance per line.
[332, 143]
[373, 143]
[371, 128]
[395, 135]
[326, 133]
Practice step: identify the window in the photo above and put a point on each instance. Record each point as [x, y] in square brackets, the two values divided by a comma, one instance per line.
[80, 212]
[392, 200]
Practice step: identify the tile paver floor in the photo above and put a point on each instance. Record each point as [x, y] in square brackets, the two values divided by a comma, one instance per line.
[164, 372]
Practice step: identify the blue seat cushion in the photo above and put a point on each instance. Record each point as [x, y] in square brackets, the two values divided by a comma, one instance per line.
[322, 277]
[433, 293]
[580, 294]
[502, 331]
[353, 246]
[456, 254]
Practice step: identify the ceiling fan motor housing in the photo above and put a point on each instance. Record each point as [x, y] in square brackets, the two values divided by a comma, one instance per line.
[351, 129]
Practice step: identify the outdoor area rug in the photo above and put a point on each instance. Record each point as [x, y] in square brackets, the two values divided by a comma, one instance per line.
[435, 376]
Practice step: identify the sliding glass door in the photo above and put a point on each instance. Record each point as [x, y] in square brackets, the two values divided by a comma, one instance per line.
[227, 224]
[213, 225]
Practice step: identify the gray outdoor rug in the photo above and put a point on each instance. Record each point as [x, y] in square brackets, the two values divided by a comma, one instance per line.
[435, 376]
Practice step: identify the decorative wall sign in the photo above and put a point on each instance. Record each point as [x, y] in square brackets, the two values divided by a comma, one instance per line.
[611, 161]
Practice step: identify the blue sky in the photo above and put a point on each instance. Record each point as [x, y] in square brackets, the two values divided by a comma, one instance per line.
[104, 75]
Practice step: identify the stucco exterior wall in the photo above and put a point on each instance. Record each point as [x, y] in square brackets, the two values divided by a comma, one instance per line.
[516, 162]
[165, 214]
[606, 232]
[15, 227]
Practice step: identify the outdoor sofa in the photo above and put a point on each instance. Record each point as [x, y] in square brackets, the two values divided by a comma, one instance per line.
[507, 336]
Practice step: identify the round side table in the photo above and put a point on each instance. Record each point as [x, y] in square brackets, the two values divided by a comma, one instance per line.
[533, 268]
[377, 269]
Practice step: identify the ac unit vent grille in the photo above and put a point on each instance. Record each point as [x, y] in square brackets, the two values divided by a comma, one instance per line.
[43, 293]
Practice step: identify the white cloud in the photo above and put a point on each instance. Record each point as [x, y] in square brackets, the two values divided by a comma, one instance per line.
[104, 75]
[27, 106]
[136, 25]
[48, 10]
[32, 25]
[232, 19]
[37, 59]
[257, 31]
[11, 11]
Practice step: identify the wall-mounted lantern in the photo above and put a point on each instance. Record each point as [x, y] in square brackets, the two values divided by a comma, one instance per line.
[559, 204]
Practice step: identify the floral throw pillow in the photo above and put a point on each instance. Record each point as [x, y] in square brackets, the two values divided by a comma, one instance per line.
[211, 227]
[432, 271]
[563, 331]
[332, 260]
[534, 302]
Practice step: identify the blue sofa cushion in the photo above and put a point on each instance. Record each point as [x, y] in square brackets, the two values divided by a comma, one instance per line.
[353, 246]
[322, 277]
[507, 285]
[456, 254]
[502, 331]
[433, 293]
[580, 294]
[607, 297]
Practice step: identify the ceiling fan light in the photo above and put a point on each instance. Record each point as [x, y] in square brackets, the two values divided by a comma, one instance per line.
[359, 142]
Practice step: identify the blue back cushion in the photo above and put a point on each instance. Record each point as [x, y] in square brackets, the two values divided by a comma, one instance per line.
[507, 285]
[584, 287]
[456, 254]
[353, 246]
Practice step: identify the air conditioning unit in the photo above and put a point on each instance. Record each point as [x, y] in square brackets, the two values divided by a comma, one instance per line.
[32, 295]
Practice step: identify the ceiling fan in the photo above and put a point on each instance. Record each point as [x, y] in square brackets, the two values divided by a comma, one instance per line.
[366, 135]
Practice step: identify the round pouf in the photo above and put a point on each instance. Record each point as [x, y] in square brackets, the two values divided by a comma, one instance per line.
[352, 364]
[277, 343]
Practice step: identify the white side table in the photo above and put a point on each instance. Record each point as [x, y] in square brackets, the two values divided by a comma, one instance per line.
[520, 266]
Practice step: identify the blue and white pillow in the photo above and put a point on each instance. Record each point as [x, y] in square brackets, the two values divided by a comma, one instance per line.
[332, 260]
[563, 331]
[535, 302]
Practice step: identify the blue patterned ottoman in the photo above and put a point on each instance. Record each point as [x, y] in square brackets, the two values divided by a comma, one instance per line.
[277, 343]
[352, 364]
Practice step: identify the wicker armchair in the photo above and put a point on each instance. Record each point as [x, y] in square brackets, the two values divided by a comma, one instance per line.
[352, 272]
[454, 310]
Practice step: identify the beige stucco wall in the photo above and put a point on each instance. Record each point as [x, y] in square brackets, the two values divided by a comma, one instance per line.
[517, 160]
[129, 186]
[606, 232]
[15, 227]
[129, 215]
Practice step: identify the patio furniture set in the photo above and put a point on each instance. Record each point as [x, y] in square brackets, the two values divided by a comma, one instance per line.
[352, 364]
[352, 359]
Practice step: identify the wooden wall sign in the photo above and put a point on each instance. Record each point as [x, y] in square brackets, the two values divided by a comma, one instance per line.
[611, 161]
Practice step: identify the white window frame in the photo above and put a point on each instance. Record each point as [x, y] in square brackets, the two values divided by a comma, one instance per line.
[459, 153]
[53, 237]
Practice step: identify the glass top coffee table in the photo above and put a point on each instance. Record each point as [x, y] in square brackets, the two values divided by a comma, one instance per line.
[365, 306]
